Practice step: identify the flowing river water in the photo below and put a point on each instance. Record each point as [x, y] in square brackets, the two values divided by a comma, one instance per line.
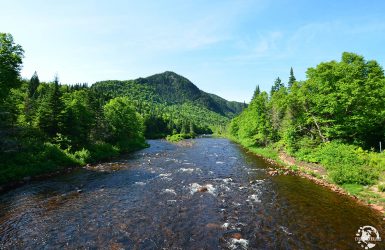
[154, 199]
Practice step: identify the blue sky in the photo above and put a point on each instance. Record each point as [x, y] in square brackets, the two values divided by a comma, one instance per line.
[224, 47]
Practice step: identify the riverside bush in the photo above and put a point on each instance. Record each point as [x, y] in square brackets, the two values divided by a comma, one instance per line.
[347, 164]
[102, 151]
[179, 137]
[43, 159]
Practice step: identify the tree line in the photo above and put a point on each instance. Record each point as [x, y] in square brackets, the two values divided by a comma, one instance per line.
[339, 103]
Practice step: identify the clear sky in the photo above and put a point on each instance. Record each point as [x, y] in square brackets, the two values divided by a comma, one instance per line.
[224, 47]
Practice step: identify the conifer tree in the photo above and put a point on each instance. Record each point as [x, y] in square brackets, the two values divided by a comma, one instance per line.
[291, 78]
[48, 116]
[257, 91]
[278, 84]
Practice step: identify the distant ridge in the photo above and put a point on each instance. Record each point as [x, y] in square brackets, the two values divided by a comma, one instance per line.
[173, 88]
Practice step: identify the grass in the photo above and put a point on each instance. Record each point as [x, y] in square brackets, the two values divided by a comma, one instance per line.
[265, 152]
[353, 189]
[381, 187]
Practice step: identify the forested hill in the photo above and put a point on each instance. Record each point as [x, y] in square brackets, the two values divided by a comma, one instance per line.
[170, 88]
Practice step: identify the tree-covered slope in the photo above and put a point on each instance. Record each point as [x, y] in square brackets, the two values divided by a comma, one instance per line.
[170, 103]
[170, 88]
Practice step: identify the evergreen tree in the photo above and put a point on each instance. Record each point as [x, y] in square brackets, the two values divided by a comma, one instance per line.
[30, 100]
[77, 118]
[49, 117]
[278, 84]
[257, 91]
[291, 79]
[33, 85]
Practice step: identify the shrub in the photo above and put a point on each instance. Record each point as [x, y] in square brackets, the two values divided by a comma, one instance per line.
[179, 137]
[82, 156]
[346, 163]
[103, 151]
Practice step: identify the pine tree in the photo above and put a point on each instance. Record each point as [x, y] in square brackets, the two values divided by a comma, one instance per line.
[33, 85]
[291, 78]
[278, 84]
[48, 115]
[30, 100]
[257, 91]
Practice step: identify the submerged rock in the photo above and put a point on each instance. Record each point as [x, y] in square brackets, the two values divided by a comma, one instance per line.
[202, 189]
[237, 236]
[214, 226]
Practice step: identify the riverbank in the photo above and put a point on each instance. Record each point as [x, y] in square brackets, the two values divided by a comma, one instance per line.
[370, 195]
[49, 160]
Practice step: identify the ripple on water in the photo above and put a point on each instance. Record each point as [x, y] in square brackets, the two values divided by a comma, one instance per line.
[165, 177]
[169, 191]
[190, 170]
[254, 198]
[238, 243]
[186, 170]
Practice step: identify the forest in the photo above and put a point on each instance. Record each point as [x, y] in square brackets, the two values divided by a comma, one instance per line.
[48, 126]
[336, 118]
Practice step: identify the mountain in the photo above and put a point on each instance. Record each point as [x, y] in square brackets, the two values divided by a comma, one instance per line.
[173, 88]
[170, 103]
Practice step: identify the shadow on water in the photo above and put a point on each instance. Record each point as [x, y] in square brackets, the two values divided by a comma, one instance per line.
[205, 194]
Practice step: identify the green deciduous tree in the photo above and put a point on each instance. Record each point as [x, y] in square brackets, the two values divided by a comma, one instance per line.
[11, 56]
[125, 124]
[345, 99]
[338, 101]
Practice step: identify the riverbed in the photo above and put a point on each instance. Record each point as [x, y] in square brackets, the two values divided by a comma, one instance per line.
[205, 193]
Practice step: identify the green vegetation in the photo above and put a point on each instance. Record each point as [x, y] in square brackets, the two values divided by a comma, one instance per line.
[381, 188]
[179, 137]
[170, 104]
[336, 118]
[46, 127]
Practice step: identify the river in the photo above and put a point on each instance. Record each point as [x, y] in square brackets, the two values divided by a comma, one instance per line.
[202, 194]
